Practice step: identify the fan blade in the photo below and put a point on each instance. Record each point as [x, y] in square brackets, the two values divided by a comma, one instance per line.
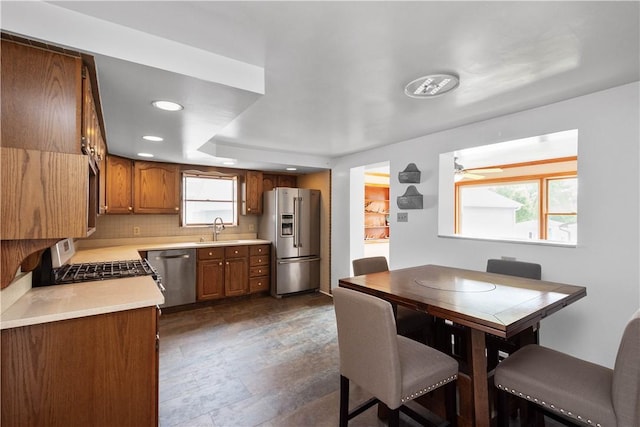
[485, 170]
[472, 175]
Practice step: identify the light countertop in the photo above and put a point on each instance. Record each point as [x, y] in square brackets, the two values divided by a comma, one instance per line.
[61, 302]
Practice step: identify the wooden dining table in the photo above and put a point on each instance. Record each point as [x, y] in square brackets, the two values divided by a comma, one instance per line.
[482, 303]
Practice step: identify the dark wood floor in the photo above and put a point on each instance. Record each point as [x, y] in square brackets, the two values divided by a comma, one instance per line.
[260, 361]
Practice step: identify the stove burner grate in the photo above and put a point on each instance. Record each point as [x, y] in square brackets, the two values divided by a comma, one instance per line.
[73, 273]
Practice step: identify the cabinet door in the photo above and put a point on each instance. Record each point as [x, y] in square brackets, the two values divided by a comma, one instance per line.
[119, 185]
[210, 279]
[287, 181]
[156, 188]
[269, 182]
[41, 99]
[236, 277]
[253, 200]
[89, 371]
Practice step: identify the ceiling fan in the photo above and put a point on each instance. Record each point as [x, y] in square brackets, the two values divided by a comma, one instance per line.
[462, 173]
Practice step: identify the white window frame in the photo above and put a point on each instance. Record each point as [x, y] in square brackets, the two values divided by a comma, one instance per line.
[232, 198]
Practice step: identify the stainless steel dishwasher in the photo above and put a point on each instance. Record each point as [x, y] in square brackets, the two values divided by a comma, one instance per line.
[177, 267]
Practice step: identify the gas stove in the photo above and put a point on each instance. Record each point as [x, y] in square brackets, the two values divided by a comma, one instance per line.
[87, 272]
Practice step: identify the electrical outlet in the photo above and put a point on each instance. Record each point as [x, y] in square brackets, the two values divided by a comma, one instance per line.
[252, 227]
[136, 231]
[403, 216]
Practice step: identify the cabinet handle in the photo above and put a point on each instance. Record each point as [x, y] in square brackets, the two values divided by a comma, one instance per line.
[235, 252]
[210, 253]
[249, 209]
[177, 208]
[227, 263]
[221, 263]
[130, 208]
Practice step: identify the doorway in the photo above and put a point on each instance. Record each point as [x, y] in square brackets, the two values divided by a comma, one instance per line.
[369, 223]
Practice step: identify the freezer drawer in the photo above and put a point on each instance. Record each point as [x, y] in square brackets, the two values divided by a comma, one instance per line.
[296, 275]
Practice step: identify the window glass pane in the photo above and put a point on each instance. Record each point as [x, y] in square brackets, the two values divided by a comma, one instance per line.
[197, 188]
[500, 211]
[562, 228]
[563, 195]
[206, 212]
[206, 198]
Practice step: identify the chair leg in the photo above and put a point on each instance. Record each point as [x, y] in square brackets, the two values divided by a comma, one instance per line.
[450, 404]
[394, 417]
[503, 408]
[344, 401]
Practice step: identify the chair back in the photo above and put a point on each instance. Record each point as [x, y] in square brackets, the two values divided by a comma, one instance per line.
[368, 344]
[527, 270]
[369, 265]
[625, 389]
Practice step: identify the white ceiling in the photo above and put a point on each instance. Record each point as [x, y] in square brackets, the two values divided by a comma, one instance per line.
[333, 72]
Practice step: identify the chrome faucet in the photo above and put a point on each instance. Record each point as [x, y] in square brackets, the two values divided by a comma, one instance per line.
[217, 228]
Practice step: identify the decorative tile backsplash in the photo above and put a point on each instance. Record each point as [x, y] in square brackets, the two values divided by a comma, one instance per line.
[126, 226]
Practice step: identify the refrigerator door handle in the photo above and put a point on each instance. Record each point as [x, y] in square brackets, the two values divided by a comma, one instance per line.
[295, 261]
[299, 229]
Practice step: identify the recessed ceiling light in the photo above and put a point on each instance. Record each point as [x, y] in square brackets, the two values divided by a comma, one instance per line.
[145, 154]
[292, 169]
[153, 138]
[229, 162]
[167, 105]
[432, 85]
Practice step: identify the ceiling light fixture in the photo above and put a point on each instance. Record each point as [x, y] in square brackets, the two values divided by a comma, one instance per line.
[167, 105]
[432, 85]
[153, 138]
[292, 169]
[145, 154]
[229, 162]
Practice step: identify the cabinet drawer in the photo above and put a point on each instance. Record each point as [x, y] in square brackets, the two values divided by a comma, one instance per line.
[259, 250]
[259, 260]
[259, 271]
[210, 253]
[258, 284]
[236, 251]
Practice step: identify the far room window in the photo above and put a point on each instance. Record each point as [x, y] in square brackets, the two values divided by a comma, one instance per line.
[207, 197]
[522, 190]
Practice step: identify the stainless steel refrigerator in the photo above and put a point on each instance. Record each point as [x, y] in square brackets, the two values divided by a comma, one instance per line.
[291, 220]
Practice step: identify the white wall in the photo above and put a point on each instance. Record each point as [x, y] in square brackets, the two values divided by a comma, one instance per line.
[606, 259]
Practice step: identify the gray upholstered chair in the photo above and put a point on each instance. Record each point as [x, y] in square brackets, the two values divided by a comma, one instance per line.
[515, 268]
[410, 323]
[393, 368]
[572, 390]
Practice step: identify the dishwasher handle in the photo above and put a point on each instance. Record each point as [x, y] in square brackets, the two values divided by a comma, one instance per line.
[295, 261]
[173, 256]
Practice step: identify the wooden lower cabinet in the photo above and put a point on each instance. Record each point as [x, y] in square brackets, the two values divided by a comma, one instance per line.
[222, 272]
[210, 274]
[259, 262]
[236, 270]
[98, 370]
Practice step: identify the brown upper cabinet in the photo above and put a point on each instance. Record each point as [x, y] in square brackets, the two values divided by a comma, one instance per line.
[156, 188]
[271, 181]
[93, 141]
[119, 185]
[49, 186]
[253, 182]
[142, 187]
[41, 99]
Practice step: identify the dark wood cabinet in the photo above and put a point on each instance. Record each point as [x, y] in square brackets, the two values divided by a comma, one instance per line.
[95, 370]
[119, 185]
[156, 188]
[271, 181]
[253, 192]
[210, 274]
[223, 272]
[236, 270]
[141, 187]
[259, 262]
